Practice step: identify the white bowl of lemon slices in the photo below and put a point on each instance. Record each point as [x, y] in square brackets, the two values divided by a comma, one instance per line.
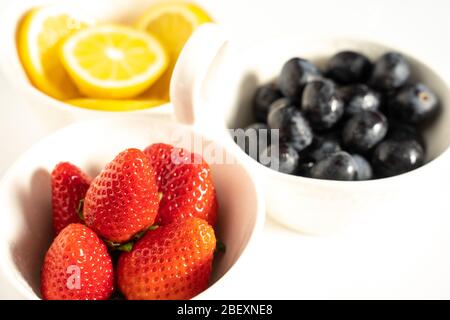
[94, 58]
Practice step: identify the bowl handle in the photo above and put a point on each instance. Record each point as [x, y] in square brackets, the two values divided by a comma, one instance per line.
[195, 61]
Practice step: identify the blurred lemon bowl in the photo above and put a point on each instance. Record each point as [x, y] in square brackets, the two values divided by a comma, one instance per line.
[35, 32]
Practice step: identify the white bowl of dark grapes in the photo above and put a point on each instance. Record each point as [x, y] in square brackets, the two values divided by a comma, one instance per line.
[342, 127]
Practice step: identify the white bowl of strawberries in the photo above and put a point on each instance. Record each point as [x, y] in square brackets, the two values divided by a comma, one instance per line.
[123, 208]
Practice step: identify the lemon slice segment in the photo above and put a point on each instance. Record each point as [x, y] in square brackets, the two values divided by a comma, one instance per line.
[39, 36]
[113, 62]
[172, 23]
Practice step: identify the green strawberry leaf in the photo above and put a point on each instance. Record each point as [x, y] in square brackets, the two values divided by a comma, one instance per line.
[126, 247]
[80, 209]
[117, 246]
[220, 248]
[143, 232]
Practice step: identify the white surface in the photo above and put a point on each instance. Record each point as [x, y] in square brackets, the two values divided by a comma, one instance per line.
[398, 255]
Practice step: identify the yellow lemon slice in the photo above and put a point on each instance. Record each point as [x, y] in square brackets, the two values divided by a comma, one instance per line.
[39, 37]
[115, 105]
[172, 23]
[113, 62]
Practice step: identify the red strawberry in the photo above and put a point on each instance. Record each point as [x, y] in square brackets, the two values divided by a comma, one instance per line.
[185, 181]
[171, 262]
[123, 200]
[69, 186]
[77, 267]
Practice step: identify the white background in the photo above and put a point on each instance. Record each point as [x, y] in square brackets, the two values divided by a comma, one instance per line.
[405, 258]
